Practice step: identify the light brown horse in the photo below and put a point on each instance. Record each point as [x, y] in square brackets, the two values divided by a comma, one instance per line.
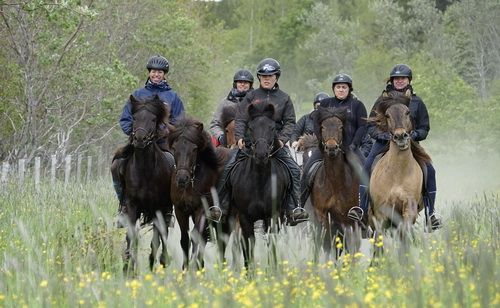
[397, 178]
[335, 186]
[227, 120]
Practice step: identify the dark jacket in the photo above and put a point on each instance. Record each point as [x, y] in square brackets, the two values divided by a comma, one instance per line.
[418, 114]
[284, 114]
[305, 125]
[356, 117]
[166, 94]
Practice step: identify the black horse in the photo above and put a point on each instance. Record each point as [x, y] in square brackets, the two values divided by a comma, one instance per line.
[145, 176]
[259, 182]
[197, 171]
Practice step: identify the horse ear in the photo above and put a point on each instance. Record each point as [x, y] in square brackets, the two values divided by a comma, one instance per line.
[199, 126]
[408, 93]
[269, 110]
[385, 94]
[132, 98]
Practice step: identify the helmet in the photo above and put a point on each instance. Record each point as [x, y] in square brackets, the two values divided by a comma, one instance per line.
[243, 75]
[401, 70]
[319, 97]
[343, 78]
[158, 63]
[268, 67]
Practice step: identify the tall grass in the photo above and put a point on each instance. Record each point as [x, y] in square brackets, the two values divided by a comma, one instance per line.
[58, 247]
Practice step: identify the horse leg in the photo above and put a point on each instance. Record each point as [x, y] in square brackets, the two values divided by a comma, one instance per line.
[130, 254]
[155, 243]
[200, 239]
[247, 241]
[160, 235]
[183, 221]
[163, 230]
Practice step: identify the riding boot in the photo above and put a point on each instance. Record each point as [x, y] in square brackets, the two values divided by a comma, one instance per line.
[433, 221]
[308, 174]
[217, 212]
[294, 213]
[358, 213]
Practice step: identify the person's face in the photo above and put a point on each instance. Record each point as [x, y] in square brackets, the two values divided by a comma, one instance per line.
[156, 76]
[242, 86]
[341, 90]
[400, 83]
[267, 82]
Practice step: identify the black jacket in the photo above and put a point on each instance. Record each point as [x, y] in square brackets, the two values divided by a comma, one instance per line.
[284, 114]
[356, 117]
[305, 125]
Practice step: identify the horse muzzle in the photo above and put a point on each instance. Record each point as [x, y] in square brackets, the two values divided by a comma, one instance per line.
[402, 140]
[332, 148]
[182, 178]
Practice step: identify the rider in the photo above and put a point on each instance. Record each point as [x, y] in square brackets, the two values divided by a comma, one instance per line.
[400, 80]
[156, 83]
[355, 127]
[242, 83]
[305, 124]
[268, 73]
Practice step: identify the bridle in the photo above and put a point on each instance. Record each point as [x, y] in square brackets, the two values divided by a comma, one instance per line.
[151, 135]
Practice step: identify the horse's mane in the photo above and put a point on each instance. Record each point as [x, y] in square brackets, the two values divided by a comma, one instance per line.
[228, 114]
[260, 108]
[386, 100]
[151, 103]
[323, 113]
[307, 141]
[192, 130]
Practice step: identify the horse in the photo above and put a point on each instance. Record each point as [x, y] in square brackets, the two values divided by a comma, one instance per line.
[306, 144]
[197, 170]
[227, 117]
[258, 182]
[397, 178]
[335, 186]
[146, 179]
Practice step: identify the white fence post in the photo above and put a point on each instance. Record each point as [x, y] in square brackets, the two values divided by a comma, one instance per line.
[89, 167]
[79, 167]
[21, 169]
[37, 173]
[5, 171]
[67, 169]
[53, 169]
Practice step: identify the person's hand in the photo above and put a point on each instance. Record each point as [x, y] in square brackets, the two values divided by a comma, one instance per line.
[384, 136]
[353, 147]
[241, 144]
[295, 144]
[414, 135]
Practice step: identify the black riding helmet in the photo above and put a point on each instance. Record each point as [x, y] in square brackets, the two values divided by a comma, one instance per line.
[268, 67]
[319, 97]
[343, 78]
[401, 70]
[158, 63]
[243, 75]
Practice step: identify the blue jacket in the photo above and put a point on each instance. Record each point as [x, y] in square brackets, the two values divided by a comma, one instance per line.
[166, 95]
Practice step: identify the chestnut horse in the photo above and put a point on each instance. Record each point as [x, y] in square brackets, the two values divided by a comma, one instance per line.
[336, 183]
[227, 120]
[197, 170]
[145, 177]
[397, 178]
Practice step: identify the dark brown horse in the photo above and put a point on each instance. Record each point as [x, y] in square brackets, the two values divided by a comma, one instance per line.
[196, 174]
[336, 183]
[397, 178]
[146, 179]
[258, 183]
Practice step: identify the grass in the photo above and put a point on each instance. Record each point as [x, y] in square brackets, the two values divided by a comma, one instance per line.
[58, 247]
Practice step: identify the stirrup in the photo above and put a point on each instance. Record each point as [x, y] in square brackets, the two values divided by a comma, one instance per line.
[292, 220]
[210, 215]
[356, 213]
[437, 223]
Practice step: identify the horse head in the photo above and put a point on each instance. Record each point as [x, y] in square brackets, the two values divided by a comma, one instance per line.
[393, 116]
[147, 114]
[227, 120]
[262, 130]
[329, 128]
[186, 140]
